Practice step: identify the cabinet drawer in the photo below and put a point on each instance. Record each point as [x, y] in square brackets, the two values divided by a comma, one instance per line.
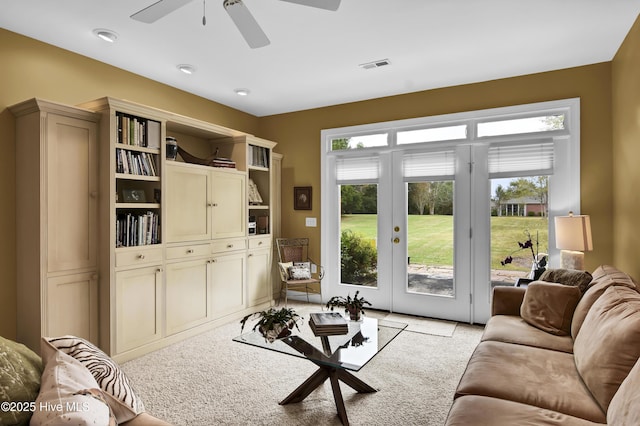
[138, 256]
[194, 250]
[263, 242]
[221, 246]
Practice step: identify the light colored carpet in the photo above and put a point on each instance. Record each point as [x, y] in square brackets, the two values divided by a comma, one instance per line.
[211, 380]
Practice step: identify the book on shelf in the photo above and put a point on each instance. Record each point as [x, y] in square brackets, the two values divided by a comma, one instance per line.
[135, 163]
[137, 229]
[137, 131]
[224, 162]
[328, 324]
[258, 156]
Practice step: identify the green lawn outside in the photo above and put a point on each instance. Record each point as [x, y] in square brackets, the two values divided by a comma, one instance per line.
[431, 238]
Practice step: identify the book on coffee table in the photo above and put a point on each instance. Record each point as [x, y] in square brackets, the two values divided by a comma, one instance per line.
[328, 324]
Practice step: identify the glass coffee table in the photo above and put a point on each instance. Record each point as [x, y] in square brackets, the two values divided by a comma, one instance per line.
[335, 356]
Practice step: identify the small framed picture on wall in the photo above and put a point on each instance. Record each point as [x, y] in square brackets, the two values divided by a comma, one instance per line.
[302, 198]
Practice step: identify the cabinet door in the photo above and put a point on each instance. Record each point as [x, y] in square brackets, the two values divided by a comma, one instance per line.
[187, 295]
[229, 208]
[138, 304]
[186, 198]
[72, 193]
[258, 276]
[227, 283]
[72, 306]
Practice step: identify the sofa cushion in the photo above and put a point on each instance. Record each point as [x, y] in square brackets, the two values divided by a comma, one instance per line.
[513, 329]
[20, 371]
[550, 306]
[624, 408]
[486, 411]
[604, 277]
[608, 344]
[69, 394]
[539, 377]
[570, 277]
[116, 385]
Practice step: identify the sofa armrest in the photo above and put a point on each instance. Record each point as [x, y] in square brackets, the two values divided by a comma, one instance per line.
[507, 300]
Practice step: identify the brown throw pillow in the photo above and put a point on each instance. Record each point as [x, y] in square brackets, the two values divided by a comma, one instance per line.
[571, 277]
[550, 306]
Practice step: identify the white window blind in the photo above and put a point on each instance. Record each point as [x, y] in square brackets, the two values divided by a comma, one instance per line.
[435, 164]
[527, 159]
[357, 169]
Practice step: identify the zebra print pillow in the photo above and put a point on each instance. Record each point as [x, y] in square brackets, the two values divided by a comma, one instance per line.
[112, 380]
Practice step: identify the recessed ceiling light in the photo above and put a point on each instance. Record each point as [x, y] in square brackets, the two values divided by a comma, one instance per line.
[242, 92]
[106, 35]
[186, 68]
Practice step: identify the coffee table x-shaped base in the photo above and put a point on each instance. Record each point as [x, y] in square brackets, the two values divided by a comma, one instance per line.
[335, 375]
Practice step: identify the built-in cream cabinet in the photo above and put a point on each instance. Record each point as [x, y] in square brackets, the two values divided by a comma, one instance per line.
[129, 249]
[57, 195]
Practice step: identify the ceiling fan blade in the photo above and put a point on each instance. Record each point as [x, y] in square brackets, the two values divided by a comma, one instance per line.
[157, 10]
[246, 23]
[320, 4]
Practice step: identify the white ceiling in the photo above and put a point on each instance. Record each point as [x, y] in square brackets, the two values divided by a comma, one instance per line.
[313, 57]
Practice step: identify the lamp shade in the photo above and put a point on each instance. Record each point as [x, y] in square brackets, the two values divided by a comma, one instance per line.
[573, 232]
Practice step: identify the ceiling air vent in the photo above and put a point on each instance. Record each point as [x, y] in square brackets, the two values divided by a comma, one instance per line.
[375, 64]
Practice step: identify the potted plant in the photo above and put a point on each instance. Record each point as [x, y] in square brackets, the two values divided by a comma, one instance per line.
[354, 306]
[273, 323]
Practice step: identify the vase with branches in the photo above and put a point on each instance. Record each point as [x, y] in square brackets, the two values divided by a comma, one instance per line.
[539, 262]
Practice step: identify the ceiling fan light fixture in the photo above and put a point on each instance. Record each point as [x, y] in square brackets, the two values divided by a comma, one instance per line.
[242, 92]
[106, 35]
[186, 68]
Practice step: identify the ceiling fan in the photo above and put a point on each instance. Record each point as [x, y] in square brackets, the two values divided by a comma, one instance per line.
[242, 18]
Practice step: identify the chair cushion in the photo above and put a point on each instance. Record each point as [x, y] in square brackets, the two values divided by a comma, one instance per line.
[284, 270]
[608, 344]
[550, 306]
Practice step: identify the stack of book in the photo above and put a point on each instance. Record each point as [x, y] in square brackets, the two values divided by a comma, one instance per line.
[328, 324]
[224, 162]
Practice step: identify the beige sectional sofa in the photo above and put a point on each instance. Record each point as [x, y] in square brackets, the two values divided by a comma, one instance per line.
[556, 354]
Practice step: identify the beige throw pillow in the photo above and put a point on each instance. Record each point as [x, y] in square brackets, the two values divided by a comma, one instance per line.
[69, 394]
[116, 385]
[550, 306]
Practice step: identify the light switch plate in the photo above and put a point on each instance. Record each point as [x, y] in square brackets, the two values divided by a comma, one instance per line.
[310, 222]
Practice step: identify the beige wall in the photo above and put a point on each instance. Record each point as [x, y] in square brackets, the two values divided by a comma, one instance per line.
[609, 195]
[626, 154]
[298, 136]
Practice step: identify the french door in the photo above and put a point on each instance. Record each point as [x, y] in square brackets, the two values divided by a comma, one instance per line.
[411, 213]
[409, 263]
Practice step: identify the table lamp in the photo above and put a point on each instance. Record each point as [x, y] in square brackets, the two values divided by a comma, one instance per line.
[573, 237]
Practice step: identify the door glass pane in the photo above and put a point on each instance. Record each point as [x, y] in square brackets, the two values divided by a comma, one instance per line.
[430, 237]
[359, 142]
[519, 214]
[359, 234]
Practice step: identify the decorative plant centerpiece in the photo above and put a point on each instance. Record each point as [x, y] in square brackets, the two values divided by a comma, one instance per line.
[354, 306]
[539, 263]
[273, 323]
